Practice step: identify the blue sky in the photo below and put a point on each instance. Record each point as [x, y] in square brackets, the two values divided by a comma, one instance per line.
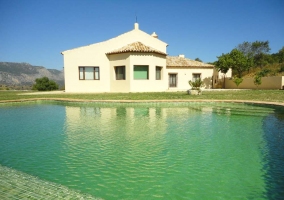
[37, 31]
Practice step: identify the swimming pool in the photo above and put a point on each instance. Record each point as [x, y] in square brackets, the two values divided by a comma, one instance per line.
[148, 150]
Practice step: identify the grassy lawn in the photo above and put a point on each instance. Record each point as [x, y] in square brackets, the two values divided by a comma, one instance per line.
[251, 95]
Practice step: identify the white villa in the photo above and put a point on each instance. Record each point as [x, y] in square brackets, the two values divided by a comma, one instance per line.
[132, 62]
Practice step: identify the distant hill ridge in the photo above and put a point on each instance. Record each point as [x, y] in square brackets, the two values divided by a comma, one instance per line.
[24, 74]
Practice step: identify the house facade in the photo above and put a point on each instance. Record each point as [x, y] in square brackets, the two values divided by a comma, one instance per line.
[132, 62]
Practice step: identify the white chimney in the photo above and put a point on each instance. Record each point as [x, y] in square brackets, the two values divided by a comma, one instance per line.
[154, 35]
[136, 26]
[181, 55]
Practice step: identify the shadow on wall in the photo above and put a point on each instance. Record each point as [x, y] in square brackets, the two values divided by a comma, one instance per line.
[207, 82]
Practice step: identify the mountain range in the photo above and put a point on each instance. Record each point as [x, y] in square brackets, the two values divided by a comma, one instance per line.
[23, 75]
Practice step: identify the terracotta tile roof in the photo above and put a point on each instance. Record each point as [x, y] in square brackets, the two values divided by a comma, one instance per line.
[176, 61]
[136, 47]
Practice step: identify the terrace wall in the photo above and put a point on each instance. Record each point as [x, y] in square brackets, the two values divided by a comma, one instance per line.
[273, 82]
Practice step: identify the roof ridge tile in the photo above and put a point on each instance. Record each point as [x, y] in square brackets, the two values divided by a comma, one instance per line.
[176, 61]
[136, 47]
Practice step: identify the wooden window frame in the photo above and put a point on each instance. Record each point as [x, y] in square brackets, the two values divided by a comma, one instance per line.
[176, 80]
[95, 69]
[116, 72]
[157, 69]
[196, 74]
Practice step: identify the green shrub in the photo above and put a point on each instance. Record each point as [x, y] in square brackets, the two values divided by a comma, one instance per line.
[44, 84]
[281, 68]
[237, 81]
[263, 72]
[195, 85]
[257, 80]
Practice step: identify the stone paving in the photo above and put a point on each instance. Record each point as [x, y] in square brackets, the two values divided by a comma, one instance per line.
[18, 185]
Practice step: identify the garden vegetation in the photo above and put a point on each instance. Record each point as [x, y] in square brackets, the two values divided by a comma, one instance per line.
[241, 95]
[44, 84]
[251, 59]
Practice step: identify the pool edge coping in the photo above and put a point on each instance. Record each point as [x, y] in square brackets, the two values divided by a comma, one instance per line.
[143, 101]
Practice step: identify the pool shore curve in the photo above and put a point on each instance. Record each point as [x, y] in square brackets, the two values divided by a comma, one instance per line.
[143, 101]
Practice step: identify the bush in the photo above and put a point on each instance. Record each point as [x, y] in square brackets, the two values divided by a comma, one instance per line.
[281, 69]
[257, 80]
[195, 85]
[237, 81]
[263, 72]
[44, 84]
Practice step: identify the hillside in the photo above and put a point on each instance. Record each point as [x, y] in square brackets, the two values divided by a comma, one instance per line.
[22, 75]
[276, 69]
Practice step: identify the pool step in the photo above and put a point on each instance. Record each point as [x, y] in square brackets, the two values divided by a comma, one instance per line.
[18, 185]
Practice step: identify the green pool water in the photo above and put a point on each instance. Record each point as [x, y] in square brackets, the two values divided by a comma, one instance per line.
[148, 150]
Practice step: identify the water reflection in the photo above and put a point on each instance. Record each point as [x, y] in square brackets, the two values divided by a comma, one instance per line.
[208, 148]
[153, 119]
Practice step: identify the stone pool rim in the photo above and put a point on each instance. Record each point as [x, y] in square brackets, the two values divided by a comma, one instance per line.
[144, 101]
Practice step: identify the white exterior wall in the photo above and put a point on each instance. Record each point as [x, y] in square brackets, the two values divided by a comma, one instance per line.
[115, 61]
[85, 57]
[185, 74]
[129, 84]
[218, 78]
[150, 85]
[95, 55]
[227, 75]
